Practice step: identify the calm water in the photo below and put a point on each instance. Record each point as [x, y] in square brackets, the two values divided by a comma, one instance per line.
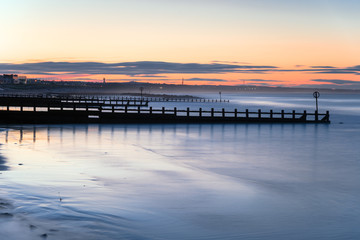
[186, 181]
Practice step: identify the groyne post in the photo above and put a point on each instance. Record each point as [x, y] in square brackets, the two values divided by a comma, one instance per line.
[327, 116]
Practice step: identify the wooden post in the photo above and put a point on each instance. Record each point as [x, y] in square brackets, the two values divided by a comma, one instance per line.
[138, 109]
[175, 111]
[236, 112]
[282, 114]
[212, 112]
[316, 116]
[200, 112]
[247, 113]
[163, 110]
[293, 114]
[150, 110]
[327, 115]
[126, 108]
[223, 112]
[304, 116]
[259, 113]
[113, 108]
[271, 113]
[187, 112]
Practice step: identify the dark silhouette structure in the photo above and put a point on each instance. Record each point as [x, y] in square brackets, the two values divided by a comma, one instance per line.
[82, 109]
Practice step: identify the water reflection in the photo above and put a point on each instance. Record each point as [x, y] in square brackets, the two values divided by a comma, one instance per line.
[3, 166]
[211, 131]
[184, 181]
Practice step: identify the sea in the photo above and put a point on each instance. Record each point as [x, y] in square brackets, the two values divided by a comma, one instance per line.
[187, 181]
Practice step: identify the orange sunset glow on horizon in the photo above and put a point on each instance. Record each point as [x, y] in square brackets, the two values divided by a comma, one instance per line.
[267, 43]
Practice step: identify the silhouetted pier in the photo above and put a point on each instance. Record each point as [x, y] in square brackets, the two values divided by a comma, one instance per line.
[68, 101]
[30, 109]
[167, 98]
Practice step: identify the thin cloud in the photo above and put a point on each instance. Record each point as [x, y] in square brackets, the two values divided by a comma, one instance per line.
[355, 70]
[128, 68]
[336, 81]
[155, 69]
[322, 67]
[207, 79]
[333, 70]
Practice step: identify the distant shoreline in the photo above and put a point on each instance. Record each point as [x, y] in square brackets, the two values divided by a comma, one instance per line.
[153, 90]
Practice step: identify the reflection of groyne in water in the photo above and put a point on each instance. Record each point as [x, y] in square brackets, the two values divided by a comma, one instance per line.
[19, 109]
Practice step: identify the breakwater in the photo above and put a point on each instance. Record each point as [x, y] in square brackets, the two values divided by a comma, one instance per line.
[34, 110]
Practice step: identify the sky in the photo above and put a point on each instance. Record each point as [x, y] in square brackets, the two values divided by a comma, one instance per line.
[217, 42]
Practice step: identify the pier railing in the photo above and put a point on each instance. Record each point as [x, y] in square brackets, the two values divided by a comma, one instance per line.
[105, 99]
[66, 101]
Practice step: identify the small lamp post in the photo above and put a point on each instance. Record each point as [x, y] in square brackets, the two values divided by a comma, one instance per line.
[316, 95]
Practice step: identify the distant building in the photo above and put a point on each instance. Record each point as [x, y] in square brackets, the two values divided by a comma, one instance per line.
[9, 78]
[22, 80]
[31, 81]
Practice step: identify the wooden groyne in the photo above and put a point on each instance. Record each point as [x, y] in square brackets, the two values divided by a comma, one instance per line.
[158, 99]
[47, 110]
[189, 100]
[67, 101]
